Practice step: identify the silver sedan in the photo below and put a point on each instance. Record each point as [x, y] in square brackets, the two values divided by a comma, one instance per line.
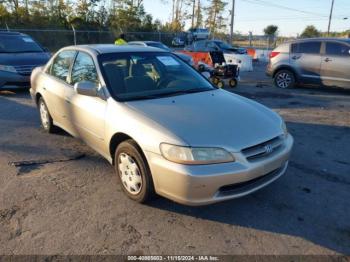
[162, 125]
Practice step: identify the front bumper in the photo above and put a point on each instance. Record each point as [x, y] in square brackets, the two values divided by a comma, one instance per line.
[8, 79]
[206, 184]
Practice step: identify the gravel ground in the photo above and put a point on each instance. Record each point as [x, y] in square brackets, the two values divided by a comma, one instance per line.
[71, 203]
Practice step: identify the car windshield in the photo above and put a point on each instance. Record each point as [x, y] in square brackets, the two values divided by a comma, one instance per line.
[149, 75]
[159, 45]
[18, 44]
[223, 45]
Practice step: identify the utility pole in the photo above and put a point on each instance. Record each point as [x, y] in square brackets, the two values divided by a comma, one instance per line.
[232, 21]
[330, 18]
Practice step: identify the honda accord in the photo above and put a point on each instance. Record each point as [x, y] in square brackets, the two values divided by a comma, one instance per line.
[161, 124]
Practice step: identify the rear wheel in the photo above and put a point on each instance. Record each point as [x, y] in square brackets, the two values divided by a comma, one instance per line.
[133, 172]
[232, 82]
[45, 117]
[284, 79]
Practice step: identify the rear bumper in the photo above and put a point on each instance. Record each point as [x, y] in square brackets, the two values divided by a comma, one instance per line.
[8, 79]
[206, 184]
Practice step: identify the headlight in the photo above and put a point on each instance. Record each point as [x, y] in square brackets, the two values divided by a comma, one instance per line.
[195, 155]
[284, 128]
[8, 68]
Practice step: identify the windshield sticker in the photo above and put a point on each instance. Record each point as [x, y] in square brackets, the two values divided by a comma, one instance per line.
[27, 40]
[168, 61]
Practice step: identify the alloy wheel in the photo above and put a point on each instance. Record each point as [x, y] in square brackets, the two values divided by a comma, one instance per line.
[284, 80]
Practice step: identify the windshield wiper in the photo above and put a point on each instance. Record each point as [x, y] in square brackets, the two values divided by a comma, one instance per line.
[188, 91]
[177, 92]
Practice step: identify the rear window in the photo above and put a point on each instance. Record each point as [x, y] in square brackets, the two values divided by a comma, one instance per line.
[283, 48]
[307, 47]
[18, 44]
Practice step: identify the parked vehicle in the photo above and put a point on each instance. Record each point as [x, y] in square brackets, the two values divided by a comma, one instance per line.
[178, 42]
[198, 33]
[215, 45]
[188, 59]
[162, 125]
[320, 61]
[19, 55]
[233, 55]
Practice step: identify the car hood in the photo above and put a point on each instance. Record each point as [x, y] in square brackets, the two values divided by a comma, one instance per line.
[18, 59]
[183, 56]
[213, 118]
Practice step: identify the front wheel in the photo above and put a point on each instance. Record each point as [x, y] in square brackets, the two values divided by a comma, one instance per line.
[284, 79]
[220, 84]
[133, 172]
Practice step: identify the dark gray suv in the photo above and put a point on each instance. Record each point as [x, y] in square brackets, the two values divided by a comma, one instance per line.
[19, 55]
[318, 61]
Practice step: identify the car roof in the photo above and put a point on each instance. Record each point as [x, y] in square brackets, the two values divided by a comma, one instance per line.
[110, 48]
[346, 40]
[146, 42]
[11, 33]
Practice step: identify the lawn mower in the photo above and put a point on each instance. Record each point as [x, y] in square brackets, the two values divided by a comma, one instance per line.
[214, 65]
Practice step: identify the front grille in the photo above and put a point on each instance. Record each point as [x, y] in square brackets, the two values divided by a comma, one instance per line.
[249, 185]
[25, 70]
[263, 149]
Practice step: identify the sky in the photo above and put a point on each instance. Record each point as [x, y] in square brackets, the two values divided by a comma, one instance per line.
[291, 16]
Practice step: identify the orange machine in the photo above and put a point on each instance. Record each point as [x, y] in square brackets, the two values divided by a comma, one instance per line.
[203, 57]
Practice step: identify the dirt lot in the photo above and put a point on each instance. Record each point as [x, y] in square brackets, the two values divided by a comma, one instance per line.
[73, 204]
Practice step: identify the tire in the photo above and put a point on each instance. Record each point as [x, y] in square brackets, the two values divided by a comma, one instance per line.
[284, 79]
[232, 83]
[215, 80]
[220, 84]
[133, 172]
[45, 117]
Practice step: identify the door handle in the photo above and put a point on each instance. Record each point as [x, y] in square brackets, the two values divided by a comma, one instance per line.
[327, 59]
[67, 100]
[295, 57]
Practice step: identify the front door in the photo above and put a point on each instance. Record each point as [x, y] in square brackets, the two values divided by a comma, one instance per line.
[335, 69]
[87, 114]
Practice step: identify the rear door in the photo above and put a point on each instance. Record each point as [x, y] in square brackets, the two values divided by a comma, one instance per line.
[55, 85]
[305, 58]
[335, 69]
[86, 113]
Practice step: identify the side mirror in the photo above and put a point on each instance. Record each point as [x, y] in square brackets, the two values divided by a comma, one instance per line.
[86, 88]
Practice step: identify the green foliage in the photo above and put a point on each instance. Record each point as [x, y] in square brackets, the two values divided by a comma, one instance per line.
[271, 30]
[310, 31]
[215, 20]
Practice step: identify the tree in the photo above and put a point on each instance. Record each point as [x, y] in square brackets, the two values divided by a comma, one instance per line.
[271, 30]
[310, 31]
[198, 14]
[215, 20]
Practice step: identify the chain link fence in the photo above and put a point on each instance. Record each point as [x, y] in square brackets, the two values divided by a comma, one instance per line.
[56, 39]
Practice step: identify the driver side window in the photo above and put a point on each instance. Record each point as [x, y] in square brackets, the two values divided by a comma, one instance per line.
[84, 69]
